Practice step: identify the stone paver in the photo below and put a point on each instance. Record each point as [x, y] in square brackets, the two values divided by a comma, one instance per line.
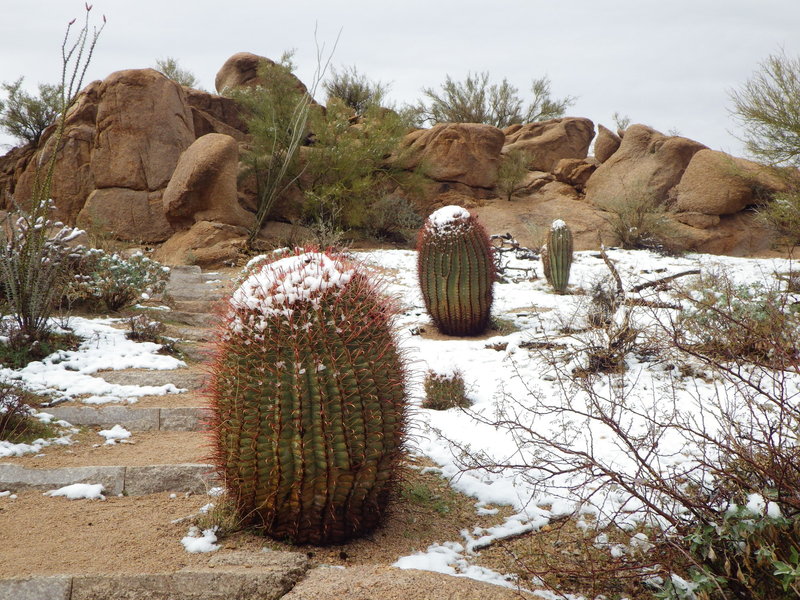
[57, 587]
[13, 477]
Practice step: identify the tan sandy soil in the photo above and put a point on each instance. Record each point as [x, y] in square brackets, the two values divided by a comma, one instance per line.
[144, 448]
[43, 535]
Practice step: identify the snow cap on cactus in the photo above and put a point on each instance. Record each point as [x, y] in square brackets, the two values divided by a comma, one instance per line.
[448, 219]
[274, 288]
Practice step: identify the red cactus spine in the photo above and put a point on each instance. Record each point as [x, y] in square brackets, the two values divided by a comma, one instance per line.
[308, 400]
[456, 271]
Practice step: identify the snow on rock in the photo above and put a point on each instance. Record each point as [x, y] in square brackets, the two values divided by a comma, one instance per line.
[195, 541]
[115, 434]
[78, 491]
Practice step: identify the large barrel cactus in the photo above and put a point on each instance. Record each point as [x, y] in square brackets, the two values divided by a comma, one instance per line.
[557, 256]
[308, 400]
[456, 271]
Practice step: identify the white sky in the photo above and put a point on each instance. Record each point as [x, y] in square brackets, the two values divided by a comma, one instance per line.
[668, 64]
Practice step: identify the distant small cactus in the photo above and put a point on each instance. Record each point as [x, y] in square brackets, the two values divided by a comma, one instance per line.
[557, 256]
[456, 271]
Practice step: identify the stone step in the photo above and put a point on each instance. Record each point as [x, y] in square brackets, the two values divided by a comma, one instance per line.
[183, 378]
[129, 480]
[266, 576]
[196, 306]
[193, 319]
[188, 418]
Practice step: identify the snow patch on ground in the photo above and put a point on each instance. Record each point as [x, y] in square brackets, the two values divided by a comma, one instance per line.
[80, 491]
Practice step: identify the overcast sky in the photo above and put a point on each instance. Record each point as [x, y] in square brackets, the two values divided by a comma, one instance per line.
[666, 63]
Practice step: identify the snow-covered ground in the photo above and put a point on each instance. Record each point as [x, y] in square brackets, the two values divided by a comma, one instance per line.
[501, 371]
[497, 370]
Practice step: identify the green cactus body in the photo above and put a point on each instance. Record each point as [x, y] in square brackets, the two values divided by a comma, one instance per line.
[456, 271]
[557, 256]
[308, 400]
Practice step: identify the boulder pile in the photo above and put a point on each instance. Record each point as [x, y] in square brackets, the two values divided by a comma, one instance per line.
[146, 160]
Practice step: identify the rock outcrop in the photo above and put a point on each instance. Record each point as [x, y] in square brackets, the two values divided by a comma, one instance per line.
[467, 153]
[606, 144]
[647, 164]
[203, 185]
[548, 142]
[716, 183]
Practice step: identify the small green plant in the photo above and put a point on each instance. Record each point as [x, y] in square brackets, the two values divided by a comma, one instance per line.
[456, 271]
[640, 222]
[421, 494]
[733, 321]
[392, 218]
[512, 172]
[445, 390]
[744, 554]
[782, 215]
[17, 423]
[116, 281]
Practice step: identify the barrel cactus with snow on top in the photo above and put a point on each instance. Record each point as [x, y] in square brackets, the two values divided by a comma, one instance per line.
[308, 399]
[456, 271]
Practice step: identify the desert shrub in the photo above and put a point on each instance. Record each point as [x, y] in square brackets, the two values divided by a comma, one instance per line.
[640, 221]
[17, 423]
[35, 255]
[347, 168]
[782, 214]
[35, 268]
[731, 321]
[170, 68]
[355, 89]
[117, 281]
[445, 390]
[144, 329]
[475, 100]
[393, 218]
[512, 171]
[26, 116]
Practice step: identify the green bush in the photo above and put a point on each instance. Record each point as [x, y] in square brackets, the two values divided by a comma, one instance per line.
[117, 281]
[640, 222]
[782, 214]
[512, 171]
[355, 89]
[475, 100]
[445, 390]
[347, 169]
[733, 321]
[393, 218]
[17, 423]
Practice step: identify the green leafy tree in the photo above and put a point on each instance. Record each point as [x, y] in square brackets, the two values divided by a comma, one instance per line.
[26, 116]
[170, 68]
[355, 89]
[475, 100]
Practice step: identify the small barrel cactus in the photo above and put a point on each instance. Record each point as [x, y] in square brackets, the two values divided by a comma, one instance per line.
[456, 271]
[308, 400]
[557, 256]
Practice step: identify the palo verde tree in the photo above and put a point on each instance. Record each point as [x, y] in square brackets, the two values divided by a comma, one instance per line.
[475, 100]
[768, 109]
